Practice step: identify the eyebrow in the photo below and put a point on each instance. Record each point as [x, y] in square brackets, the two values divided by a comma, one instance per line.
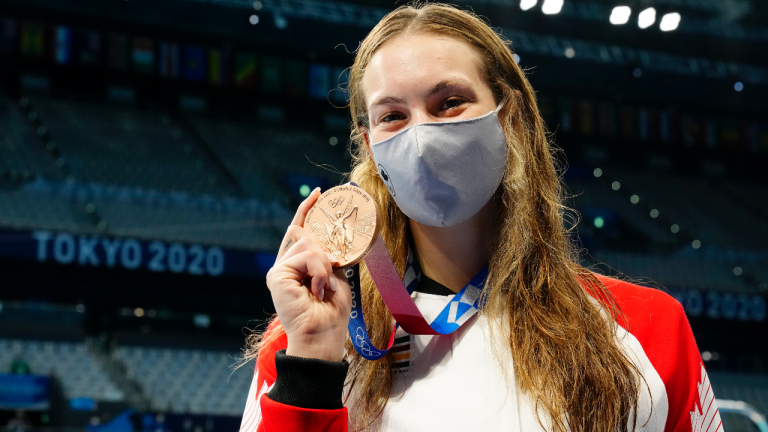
[442, 85]
[388, 100]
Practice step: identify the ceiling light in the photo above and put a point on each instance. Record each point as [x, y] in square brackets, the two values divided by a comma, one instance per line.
[620, 15]
[646, 18]
[552, 7]
[527, 4]
[669, 21]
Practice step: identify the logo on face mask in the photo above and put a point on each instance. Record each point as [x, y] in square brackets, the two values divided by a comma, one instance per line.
[387, 180]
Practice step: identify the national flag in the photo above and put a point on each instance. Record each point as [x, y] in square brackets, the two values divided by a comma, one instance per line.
[729, 134]
[710, 132]
[607, 119]
[89, 47]
[143, 55]
[218, 67]
[245, 70]
[565, 108]
[665, 133]
[648, 125]
[118, 52]
[8, 36]
[169, 59]
[653, 125]
[669, 127]
[642, 124]
[762, 140]
[32, 39]
[295, 78]
[751, 137]
[271, 78]
[586, 115]
[319, 81]
[62, 45]
[547, 110]
[194, 63]
[628, 122]
[340, 83]
[214, 67]
[691, 130]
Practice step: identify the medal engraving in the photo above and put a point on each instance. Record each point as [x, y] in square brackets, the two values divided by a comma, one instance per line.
[344, 220]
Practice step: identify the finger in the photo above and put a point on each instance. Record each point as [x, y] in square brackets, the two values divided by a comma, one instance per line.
[309, 263]
[339, 279]
[309, 244]
[295, 230]
[293, 234]
[301, 212]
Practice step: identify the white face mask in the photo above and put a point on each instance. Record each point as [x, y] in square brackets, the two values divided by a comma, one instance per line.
[443, 173]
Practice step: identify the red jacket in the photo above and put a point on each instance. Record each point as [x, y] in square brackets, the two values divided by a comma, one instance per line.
[654, 318]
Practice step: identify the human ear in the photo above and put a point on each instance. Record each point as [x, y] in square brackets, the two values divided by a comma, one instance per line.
[364, 133]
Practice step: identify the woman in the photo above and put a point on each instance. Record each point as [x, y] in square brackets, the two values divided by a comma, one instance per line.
[554, 347]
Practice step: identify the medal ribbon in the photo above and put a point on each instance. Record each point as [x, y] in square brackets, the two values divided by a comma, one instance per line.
[396, 294]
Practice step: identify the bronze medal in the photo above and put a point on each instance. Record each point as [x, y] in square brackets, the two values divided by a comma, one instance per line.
[344, 220]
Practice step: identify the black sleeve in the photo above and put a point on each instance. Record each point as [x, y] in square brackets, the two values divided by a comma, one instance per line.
[308, 383]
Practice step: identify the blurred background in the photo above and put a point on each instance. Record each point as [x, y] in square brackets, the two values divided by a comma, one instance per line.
[153, 152]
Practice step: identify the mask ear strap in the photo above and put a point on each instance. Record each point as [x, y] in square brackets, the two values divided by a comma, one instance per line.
[502, 103]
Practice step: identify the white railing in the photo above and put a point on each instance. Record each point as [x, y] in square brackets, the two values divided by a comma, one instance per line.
[745, 409]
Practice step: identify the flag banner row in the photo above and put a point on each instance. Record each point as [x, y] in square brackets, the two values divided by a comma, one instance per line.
[642, 124]
[140, 55]
[224, 67]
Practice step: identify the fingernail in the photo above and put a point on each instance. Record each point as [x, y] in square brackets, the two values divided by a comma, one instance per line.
[332, 257]
[331, 285]
[322, 293]
[317, 189]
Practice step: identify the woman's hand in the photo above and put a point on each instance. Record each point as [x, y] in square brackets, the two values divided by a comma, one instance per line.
[311, 298]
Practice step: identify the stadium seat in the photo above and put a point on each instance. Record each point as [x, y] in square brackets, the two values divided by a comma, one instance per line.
[69, 362]
[189, 381]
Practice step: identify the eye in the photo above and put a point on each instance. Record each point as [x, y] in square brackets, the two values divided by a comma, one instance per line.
[451, 103]
[391, 117]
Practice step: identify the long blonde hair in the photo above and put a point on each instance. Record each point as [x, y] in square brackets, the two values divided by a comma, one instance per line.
[563, 344]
